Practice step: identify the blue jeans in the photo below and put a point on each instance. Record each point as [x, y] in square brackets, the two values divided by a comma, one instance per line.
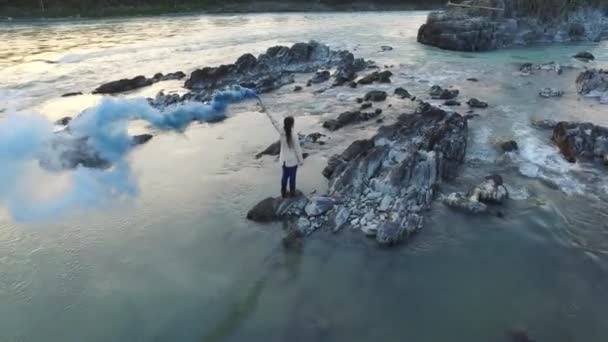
[289, 174]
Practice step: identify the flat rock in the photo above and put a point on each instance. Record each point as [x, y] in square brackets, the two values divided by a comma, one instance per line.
[376, 76]
[584, 56]
[475, 103]
[551, 93]
[349, 118]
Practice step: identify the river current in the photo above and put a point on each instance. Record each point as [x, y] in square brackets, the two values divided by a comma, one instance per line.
[179, 262]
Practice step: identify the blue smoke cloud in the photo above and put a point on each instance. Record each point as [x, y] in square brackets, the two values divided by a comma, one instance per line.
[26, 139]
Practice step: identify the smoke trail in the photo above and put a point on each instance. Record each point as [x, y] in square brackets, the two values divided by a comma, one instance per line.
[102, 130]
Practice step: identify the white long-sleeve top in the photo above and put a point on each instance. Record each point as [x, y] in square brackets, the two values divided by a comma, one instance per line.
[289, 156]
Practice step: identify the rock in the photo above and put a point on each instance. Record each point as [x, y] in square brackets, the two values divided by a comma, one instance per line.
[402, 93]
[171, 76]
[451, 103]
[63, 121]
[366, 105]
[297, 88]
[378, 111]
[472, 79]
[584, 140]
[491, 190]
[478, 29]
[353, 151]
[544, 124]
[379, 77]
[375, 96]
[359, 100]
[123, 85]
[385, 48]
[475, 103]
[550, 93]
[352, 85]
[519, 335]
[370, 229]
[592, 83]
[584, 56]
[439, 93]
[276, 208]
[72, 94]
[274, 68]
[141, 139]
[319, 205]
[509, 146]
[304, 226]
[385, 203]
[339, 218]
[273, 150]
[349, 118]
[320, 77]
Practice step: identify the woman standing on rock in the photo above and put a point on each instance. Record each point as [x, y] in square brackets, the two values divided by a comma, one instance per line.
[290, 156]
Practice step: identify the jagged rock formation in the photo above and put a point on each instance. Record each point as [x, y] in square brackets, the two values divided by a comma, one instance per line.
[585, 140]
[349, 118]
[383, 185]
[272, 69]
[125, 84]
[475, 29]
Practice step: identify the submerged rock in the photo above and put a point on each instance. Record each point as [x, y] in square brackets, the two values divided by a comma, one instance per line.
[349, 118]
[451, 103]
[584, 140]
[276, 208]
[72, 94]
[386, 48]
[509, 146]
[491, 190]
[584, 56]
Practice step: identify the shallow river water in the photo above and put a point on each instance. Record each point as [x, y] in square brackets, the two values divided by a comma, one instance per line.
[179, 262]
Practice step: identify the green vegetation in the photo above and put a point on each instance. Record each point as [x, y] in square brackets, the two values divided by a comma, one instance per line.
[97, 8]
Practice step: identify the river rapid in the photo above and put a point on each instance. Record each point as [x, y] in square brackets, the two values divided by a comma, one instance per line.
[179, 262]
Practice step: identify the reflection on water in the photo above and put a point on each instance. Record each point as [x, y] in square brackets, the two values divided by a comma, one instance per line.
[180, 262]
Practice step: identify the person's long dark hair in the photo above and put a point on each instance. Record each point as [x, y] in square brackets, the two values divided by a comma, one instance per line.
[288, 127]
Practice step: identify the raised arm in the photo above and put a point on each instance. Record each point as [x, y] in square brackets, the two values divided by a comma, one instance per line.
[275, 123]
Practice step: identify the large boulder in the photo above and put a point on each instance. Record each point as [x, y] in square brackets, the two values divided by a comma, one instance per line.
[477, 28]
[593, 83]
[276, 208]
[123, 85]
[584, 140]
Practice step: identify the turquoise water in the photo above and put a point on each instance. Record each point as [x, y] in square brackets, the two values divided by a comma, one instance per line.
[180, 263]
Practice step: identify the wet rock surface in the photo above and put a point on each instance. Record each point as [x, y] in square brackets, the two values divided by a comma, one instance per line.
[349, 118]
[476, 29]
[383, 186]
[584, 56]
[375, 96]
[491, 190]
[402, 93]
[550, 93]
[438, 93]
[581, 140]
[593, 83]
[475, 103]
[126, 84]
[376, 76]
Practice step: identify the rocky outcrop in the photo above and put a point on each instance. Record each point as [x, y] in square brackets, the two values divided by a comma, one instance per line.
[126, 84]
[349, 118]
[384, 185]
[320, 77]
[375, 96]
[402, 93]
[475, 103]
[475, 29]
[593, 83]
[584, 140]
[273, 68]
[491, 190]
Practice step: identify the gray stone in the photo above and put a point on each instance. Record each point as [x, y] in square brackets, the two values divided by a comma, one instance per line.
[319, 205]
[550, 93]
